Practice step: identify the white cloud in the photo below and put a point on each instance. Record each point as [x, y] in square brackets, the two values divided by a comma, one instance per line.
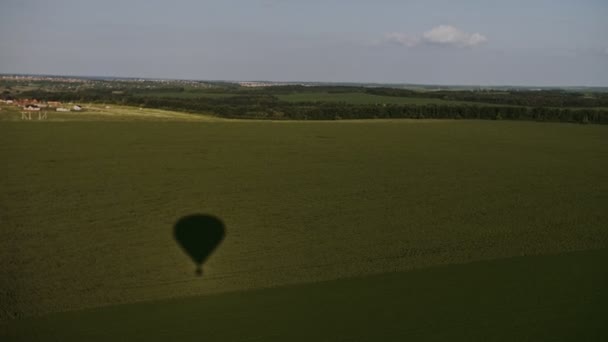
[405, 39]
[440, 35]
[450, 35]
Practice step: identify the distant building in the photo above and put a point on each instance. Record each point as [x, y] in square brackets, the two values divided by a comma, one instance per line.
[55, 104]
[32, 107]
[77, 108]
[25, 102]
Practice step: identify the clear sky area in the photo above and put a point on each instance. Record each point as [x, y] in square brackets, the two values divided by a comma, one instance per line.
[515, 42]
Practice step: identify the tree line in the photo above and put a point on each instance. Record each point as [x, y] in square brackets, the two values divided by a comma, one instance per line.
[529, 98]
[263, 105]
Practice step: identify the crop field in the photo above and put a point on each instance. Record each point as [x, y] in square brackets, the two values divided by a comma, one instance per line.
[98, 112]
[358, 98]
[376, 230]
[190, 94]
[535, 298]
[362, 98]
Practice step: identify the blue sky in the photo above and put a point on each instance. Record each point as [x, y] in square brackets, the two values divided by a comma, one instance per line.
[433, 42]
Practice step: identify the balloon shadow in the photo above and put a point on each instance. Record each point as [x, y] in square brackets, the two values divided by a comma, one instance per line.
[199, 235]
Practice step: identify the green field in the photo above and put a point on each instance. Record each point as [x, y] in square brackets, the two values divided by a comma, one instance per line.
[98, 112]
[362, 98]
[389, 228]
[192, 94]
[556, 297]
[358, 98]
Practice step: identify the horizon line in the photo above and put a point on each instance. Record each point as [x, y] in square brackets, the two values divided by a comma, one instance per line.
[234, 81]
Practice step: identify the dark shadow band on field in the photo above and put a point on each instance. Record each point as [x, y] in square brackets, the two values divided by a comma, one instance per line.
[553, 297]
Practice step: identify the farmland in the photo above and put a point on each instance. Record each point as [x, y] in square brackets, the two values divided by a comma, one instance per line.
[278, 171]
[556, 297]
[363, 98]
[392, 223]
[309, 96]
[96, 112]
[319, 101]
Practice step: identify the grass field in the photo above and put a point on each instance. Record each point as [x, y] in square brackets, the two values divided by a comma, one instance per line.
[192, 94]
[353, 97]
[97, 112]
[556, 297]
[362, 98]
[87, 210]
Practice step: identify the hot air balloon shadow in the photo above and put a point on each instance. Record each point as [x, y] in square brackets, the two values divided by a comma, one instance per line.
[199, 235]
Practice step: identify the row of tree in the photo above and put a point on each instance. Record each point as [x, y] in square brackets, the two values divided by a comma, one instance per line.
[267, 106]
[528, 98]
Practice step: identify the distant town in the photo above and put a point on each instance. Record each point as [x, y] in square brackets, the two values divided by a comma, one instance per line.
[34, 105]
[72, 82]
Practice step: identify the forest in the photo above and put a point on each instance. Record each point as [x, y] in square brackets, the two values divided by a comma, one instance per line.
[339, 102]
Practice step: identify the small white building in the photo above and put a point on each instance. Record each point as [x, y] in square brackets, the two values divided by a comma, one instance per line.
[31, 107]
[77, 108]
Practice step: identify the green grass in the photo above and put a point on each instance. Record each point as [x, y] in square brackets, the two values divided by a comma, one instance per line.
[541, 298]
[362, 98]
[87, 208]
[99, 112]
[192, 94]
[353, 98]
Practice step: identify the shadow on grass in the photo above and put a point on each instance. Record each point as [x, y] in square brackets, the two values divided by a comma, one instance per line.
[199, 235]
